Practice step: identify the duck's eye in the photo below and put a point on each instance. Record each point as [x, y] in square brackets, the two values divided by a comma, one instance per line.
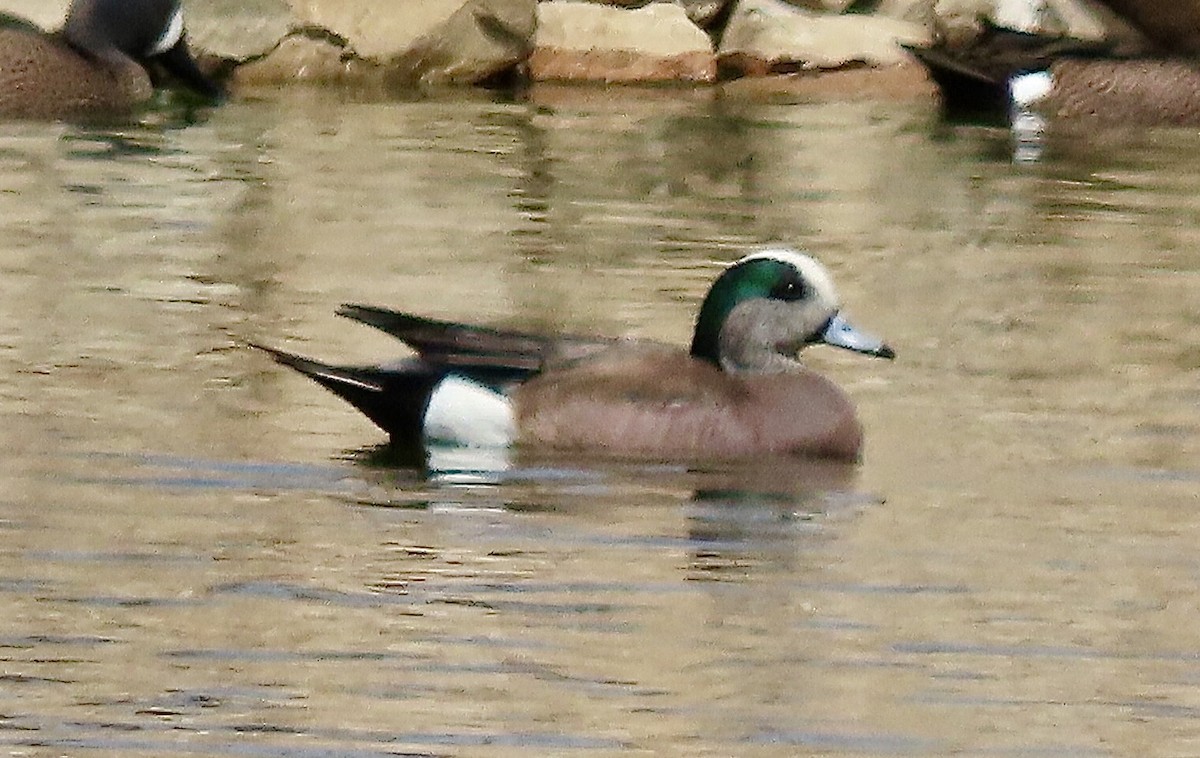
[791, 288]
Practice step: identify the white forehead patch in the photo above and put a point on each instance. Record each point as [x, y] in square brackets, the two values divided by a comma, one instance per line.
[170, 37]
[810, 269]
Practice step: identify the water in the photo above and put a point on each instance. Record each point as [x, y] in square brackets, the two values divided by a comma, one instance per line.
[202, 554]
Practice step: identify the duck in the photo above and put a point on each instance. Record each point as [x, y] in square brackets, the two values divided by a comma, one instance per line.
[740, 391]
[1006, 74]
[98, 63]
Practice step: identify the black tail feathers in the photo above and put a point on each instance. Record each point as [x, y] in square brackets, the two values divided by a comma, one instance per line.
[394, 398]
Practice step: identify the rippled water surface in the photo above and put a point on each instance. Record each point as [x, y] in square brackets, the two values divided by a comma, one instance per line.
[201, 553]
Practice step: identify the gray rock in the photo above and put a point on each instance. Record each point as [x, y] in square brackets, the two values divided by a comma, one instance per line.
[766, 36]
[584, 41]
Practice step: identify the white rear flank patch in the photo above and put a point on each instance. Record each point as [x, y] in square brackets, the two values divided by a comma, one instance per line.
[1027, 89]
[467, 413]
[170, 37]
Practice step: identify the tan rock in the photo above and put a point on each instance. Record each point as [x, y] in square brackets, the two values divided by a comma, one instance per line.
[372, 29]
[964, 19]
[237, 29]
[824, 6]
[905, 82]
[301, 58]
[581, 41]
[430, 40]
[48, 14]
[916, 11]
[960, 22]
[765, 36]
[1092, 20]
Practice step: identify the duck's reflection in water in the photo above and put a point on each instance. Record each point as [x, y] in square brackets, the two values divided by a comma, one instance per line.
[734, 513]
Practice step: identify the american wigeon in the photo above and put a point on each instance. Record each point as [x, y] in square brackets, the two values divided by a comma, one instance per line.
[740, 391]
[97, 64]
[1007, 72]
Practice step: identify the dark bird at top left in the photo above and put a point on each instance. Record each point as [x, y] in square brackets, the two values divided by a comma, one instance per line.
[100, 63]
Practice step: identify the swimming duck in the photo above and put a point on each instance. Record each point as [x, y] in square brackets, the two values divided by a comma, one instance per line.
[1006, 73]
[740, 391]
[98, 62]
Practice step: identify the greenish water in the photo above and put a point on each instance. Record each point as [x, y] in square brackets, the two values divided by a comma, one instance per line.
[203, 554]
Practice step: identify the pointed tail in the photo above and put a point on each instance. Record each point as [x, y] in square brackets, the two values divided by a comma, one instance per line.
[395, 399]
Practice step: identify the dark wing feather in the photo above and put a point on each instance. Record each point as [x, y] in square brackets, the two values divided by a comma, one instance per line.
[489, 355]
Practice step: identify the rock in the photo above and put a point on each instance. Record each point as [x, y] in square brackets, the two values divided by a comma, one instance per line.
[430, 41]
[703, 13]
[581, 41]
[48, 14]
[301, 57]
[824, 6]
[958, 23]
[768, 36]
[1172, 24]
[907, 82]
[915, 11]
[237, 29]
[1091, 20]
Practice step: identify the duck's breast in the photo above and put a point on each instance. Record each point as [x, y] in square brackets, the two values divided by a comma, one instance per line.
[803, 413]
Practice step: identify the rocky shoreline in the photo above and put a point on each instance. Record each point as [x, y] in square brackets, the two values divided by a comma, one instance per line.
[472, 42]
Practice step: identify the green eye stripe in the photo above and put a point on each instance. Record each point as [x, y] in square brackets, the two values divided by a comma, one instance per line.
[756, 278]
